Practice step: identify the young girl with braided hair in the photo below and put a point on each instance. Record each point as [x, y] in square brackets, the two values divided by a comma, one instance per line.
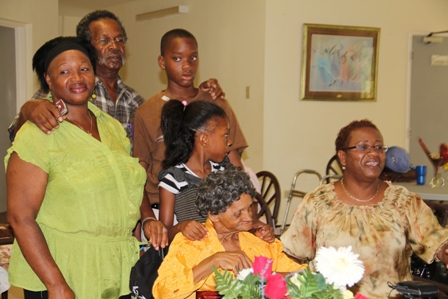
[197, 142]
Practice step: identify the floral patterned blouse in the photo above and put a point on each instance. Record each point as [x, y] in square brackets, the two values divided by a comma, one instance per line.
[384, 234]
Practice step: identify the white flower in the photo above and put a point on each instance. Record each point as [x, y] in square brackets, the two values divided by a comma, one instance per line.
[243, 273]
[340, 267]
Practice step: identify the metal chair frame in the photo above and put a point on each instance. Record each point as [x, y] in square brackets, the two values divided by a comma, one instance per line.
[330, 177]
[296, 193]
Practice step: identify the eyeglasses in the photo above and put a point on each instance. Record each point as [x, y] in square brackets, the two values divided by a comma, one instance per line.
[120, 41]
[366, 148]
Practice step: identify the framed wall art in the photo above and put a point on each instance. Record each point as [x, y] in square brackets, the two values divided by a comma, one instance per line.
[339, 63]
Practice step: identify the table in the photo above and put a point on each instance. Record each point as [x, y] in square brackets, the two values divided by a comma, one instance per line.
[427, 192]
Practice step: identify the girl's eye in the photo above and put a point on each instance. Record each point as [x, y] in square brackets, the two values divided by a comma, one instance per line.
[176, 59]
[194, 58]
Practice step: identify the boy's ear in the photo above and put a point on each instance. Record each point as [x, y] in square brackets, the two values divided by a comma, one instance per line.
[161, 61]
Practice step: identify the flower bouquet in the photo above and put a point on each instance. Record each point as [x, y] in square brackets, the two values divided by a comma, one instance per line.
[439, 160]
[336, 269]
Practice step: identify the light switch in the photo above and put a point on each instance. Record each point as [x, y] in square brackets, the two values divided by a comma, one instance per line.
[247, 92]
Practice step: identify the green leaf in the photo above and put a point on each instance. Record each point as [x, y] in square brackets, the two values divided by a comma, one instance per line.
[227, 285]
[320, 281]
[252, 279]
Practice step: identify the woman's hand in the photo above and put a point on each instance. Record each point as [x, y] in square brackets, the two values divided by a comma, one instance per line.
[213, 88]
[226, 260]
[264, 231]
[192, 230]
[156, 233]
[231, 260]
[442, 255]
[62, 292]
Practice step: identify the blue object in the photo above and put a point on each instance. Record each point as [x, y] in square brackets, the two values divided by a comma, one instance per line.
[420, 171]
[398, 160]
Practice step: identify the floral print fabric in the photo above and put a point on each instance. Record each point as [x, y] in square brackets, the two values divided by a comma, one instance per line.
[383, 234]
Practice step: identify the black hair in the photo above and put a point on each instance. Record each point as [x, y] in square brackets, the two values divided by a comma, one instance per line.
[220, 189]
[83, 30]
[172, 34]
[179, 125]
[46, 53]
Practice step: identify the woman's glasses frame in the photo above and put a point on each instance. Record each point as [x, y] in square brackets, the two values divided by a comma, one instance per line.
[367, 148]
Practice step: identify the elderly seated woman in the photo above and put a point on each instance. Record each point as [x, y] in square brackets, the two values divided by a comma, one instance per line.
[225, 197]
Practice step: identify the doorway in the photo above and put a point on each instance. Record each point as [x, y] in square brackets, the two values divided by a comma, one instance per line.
[428, 98]
[8, 98]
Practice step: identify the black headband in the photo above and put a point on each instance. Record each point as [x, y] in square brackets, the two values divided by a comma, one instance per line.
[61, 47]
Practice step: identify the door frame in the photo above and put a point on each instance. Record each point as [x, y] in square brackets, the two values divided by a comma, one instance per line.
[23, 51]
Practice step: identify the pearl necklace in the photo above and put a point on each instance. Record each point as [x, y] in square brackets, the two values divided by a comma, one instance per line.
[357, 199]
[76, 123]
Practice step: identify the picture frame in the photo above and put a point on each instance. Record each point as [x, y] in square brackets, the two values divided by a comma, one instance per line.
[339, 63]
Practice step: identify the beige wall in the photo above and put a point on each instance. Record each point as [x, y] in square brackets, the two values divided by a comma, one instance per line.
[258, 44]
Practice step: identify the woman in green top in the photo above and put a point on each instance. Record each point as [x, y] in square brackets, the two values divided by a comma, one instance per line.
[73, 196]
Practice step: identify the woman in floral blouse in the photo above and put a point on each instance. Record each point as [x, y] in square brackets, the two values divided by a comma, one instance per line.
[383, 223]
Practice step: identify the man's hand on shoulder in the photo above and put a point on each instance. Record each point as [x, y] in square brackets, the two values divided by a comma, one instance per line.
[213, 88]
[43, 113]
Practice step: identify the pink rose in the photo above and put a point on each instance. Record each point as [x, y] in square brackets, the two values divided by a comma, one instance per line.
[275, 287]
[260, 267]
[360, 296]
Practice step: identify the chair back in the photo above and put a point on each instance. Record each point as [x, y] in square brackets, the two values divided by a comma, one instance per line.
[264, 210]
[271, 193]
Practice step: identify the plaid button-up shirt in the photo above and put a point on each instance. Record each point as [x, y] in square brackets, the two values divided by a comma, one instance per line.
[128, 100]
